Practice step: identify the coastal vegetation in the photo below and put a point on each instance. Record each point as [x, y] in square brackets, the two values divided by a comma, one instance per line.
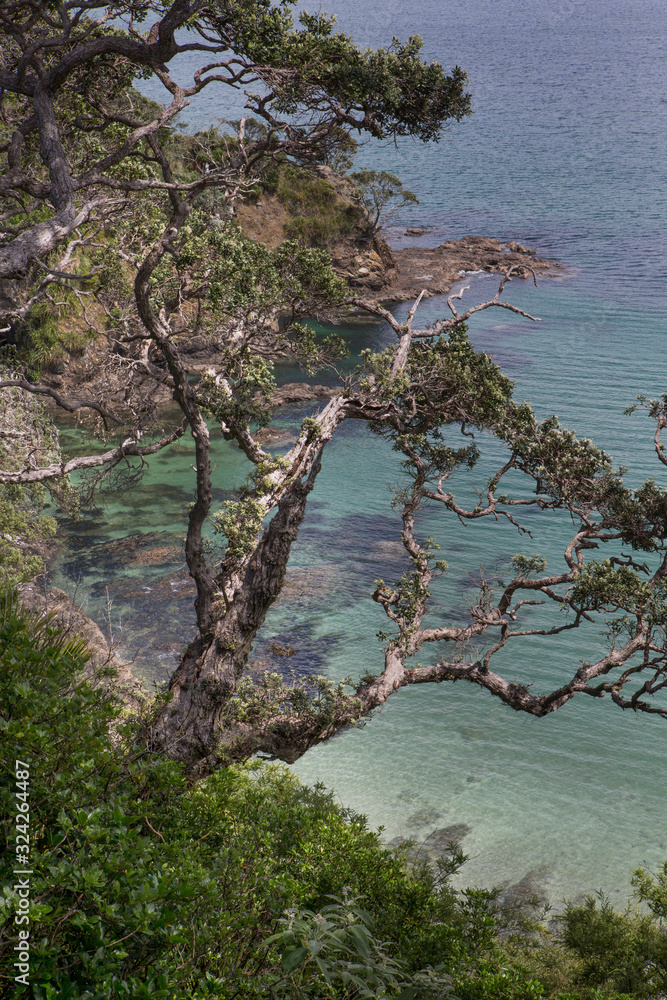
[164, 863]
[377, 190]
[247, 884]
[135, 223]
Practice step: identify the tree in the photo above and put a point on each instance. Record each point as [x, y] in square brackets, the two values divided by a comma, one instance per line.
[23, 430]
[122, 196]
[376, 189]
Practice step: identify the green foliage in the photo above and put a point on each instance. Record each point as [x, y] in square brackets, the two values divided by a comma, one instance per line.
[570, 469]
[604, 586]
[656, 408]
[652, 890]
[25, 432]
[319, 216]
[338, 945]
[490, 981]
[376, 189]
[444, 379]
[399, 94]
[240, 521]
[44, 338]
[407, 599]
[240, 274]
[526, 566]
[138, 879]
[313, 352]
[625, 952]
[144, 886]
[22, 530]
[245, 393]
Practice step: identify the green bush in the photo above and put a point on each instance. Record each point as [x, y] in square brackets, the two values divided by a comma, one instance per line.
[339, 946]
[143, 886]
[320, 216]
[138, 879]
[619, 951]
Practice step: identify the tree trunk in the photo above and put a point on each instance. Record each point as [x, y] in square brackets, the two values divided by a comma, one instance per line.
[188, 725]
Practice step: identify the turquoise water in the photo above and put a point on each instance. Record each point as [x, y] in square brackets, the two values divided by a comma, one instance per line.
[565, 152]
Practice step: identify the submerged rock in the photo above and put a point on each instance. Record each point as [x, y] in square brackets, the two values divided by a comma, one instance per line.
[300, 392]
[275, 437]
[528, 894]
[279, 650]
[437, 846]
[310, 584]
[423, 817]
[438, 843]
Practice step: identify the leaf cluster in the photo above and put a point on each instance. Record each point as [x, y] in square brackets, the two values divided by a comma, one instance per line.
[397, 93]
[603, 586]
[445, 382]
[339, 945]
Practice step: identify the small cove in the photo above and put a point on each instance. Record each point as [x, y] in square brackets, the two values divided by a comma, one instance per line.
[555, 159]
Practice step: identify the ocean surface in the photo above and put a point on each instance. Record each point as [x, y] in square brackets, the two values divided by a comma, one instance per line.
[565, 152]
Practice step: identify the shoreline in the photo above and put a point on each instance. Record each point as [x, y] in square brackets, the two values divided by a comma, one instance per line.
[372, 270]
[399, 275]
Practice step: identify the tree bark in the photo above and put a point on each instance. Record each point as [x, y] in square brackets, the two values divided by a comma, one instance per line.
[209, 672]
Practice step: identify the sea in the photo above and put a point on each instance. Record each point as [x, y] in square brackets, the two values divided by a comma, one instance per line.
[565, 153]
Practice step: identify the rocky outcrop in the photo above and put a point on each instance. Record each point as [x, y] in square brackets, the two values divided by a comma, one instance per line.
[437, 269]
[300, 392]
[365, 264]
[69, 617]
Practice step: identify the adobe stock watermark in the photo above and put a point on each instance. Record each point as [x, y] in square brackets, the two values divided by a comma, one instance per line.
[23, 870]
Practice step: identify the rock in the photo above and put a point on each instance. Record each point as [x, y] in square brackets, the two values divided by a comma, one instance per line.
[528, 893]
[408, 795]
[309, 584]
[423, 817]
[275, 437]
[197, 345]
[365, 263]
[518, 248]
[68, 616]
[438, 844]
[298, 392]
[159, 555]
[279, 650]
[443, 266]
[415, 232]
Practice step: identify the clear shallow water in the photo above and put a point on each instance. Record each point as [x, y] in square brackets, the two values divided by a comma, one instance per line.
[566, 152]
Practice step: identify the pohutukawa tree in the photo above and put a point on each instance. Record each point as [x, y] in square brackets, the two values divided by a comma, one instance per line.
[100, 196]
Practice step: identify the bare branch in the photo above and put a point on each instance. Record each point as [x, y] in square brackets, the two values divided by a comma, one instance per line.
[69, 406]
[130, 448]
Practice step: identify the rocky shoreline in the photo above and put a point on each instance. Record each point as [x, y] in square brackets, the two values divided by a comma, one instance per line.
[373, 271]
[400, 275]
[67, 615]
[372, 267]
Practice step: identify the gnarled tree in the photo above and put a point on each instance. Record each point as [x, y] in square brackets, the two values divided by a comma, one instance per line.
[113, 186]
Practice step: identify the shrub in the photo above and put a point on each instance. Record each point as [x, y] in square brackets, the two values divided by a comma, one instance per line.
[142, 886]
[140, 883]
[320, 215]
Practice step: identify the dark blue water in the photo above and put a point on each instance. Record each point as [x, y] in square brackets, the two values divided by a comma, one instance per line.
[566, 151]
